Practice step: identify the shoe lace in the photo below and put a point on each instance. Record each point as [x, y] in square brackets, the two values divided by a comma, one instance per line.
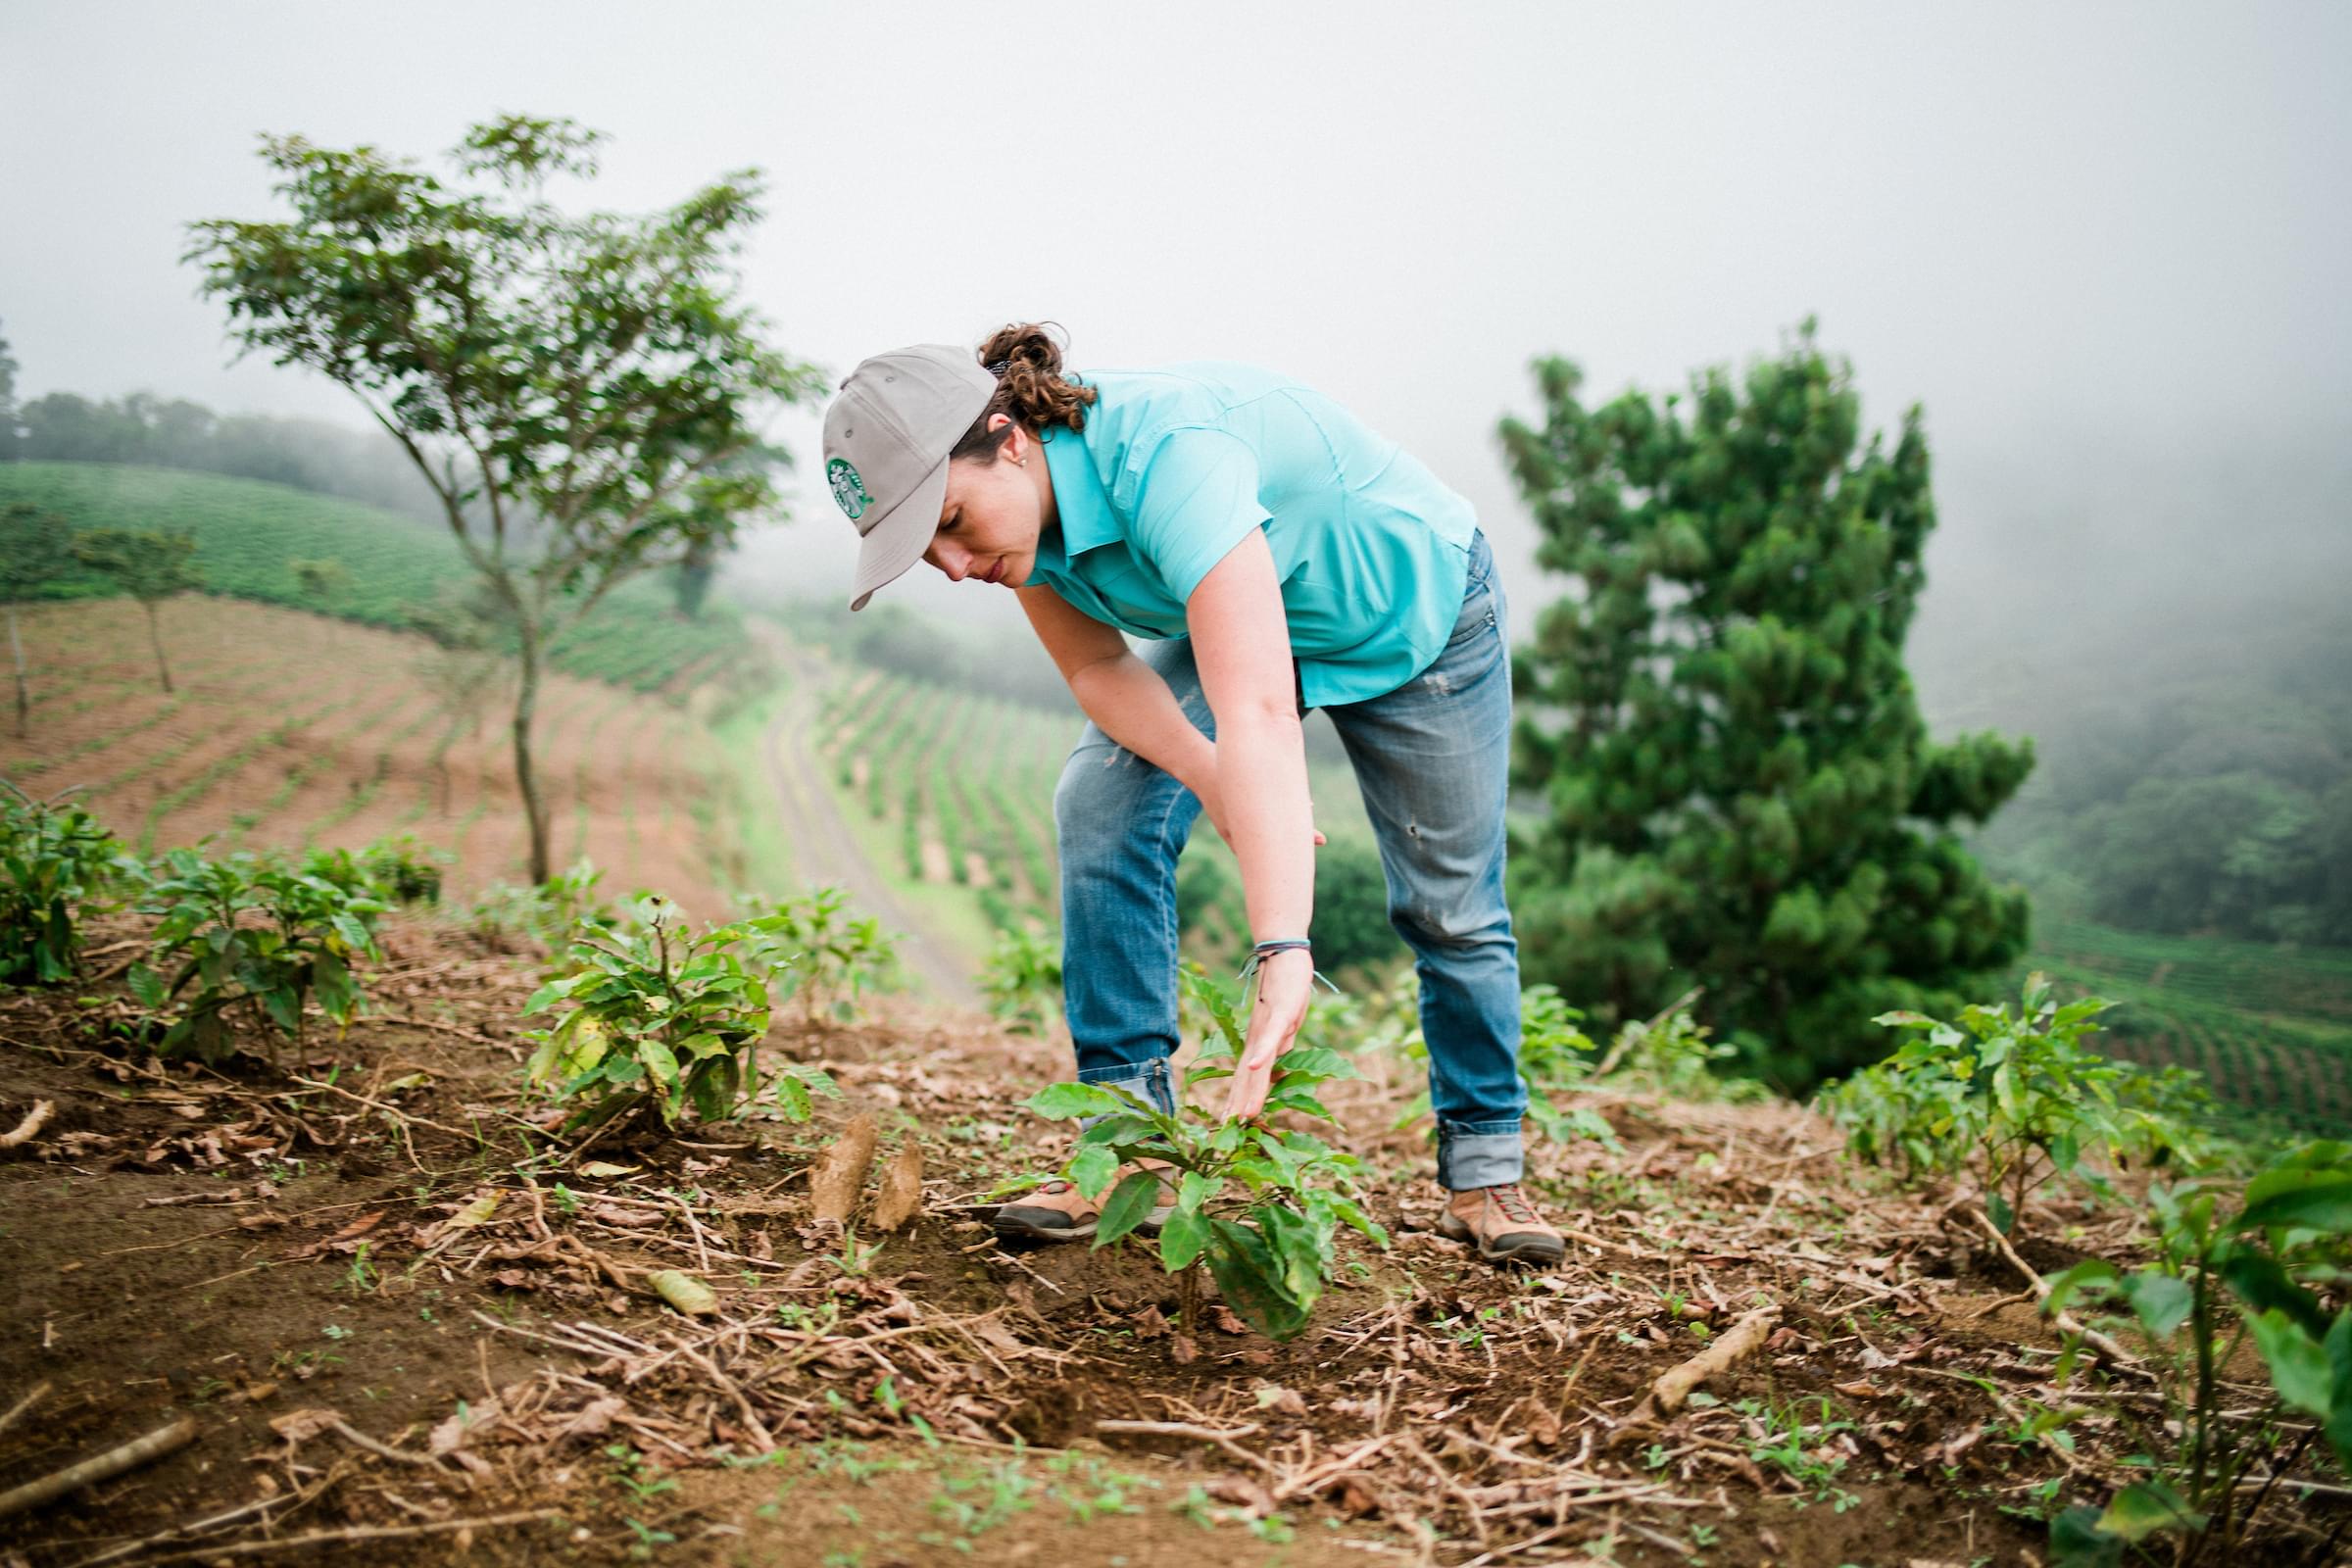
[1514, 1204]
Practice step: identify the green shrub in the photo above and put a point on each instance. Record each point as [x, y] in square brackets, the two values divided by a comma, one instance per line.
[2274, 1272]
[251, 936]
[2014, 1101]
[404, 869]
[547, 914]
[59, 863]
[1260, 1208]
[834, 958]
[1024, 977]
[658, 1015]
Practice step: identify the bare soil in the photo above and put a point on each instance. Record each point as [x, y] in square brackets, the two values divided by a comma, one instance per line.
[414, 1326]
[622, 774]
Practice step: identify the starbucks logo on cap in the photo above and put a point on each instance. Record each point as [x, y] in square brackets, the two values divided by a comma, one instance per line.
[848, 491]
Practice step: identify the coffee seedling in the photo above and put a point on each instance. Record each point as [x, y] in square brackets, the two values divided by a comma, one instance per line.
[1258, 1206]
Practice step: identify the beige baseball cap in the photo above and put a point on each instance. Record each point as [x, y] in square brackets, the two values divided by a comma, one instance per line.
[886, 439]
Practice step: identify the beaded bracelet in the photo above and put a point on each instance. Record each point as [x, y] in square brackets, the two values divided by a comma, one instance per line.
[1259, 953]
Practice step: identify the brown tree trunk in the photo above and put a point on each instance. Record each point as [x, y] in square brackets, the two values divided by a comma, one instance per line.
[16, 646]
[526, 713]
[156, 637]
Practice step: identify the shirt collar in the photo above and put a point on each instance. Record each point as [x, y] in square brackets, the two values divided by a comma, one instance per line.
[1079, 499]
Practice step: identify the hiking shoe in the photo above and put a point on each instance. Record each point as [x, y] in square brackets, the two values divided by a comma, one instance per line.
[1502, 1224]
[1056, 1212]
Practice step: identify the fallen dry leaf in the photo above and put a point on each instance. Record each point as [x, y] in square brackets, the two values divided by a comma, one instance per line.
[300, 1425]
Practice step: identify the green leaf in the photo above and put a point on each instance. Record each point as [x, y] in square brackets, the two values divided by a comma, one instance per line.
[2339, 1346]
[2161, 1302]
[2141, 1509]
[1131, 1204]
[2314, 1199]
[1124, 1128]
[2299, 1368]
[1091, 1168]
[1181, 1239]
[1312, 1064]
[1249, 1278]
[1301, 1249]
[1300, 1100]
[2265, 1285]
[1058, 1101]
[1998, 1210]
[1195, 1190]
[2065, 1286]
[657, 1060]
[1348, 1211]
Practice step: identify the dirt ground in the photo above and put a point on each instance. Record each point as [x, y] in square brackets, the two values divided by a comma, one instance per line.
[290, 729]
[410, 1326]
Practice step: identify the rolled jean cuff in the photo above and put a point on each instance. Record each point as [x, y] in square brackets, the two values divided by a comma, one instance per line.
[1479, 1154]
[1147, 1081]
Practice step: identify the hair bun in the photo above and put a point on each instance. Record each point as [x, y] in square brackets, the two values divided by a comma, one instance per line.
[1025, 358]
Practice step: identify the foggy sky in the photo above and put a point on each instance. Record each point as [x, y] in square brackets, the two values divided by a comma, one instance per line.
[2106, 246]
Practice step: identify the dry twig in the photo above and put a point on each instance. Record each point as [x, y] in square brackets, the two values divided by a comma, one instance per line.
[100, 1467]
[1674, 1386]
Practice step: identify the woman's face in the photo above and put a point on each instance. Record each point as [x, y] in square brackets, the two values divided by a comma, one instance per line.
[993, 514]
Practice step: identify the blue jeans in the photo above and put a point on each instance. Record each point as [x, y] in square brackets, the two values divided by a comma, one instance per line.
[1431, 758]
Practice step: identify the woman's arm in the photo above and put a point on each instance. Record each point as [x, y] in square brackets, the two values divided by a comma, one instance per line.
[1242, 644]
[1124, 696]
[1127, 700]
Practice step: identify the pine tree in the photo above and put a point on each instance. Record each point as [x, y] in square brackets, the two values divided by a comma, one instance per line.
[1742, 796]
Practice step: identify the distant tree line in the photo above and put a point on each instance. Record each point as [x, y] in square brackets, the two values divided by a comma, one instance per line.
[176, 433]
[2212, 798]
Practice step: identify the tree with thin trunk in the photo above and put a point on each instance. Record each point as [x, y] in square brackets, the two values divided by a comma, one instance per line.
[9, 422]
[320, 581]
[151, 565]
[37, 547]
[574, 388]
[462, 667]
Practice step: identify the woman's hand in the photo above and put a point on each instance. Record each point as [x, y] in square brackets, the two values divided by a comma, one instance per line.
[1285, 980]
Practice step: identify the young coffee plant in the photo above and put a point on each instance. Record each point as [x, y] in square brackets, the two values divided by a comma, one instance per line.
[58, 864]
[1023, 978]
[403, 869]
[834, 958]
[1258, 1206]
[2014, 1101]
[1672, 1055]
[251, 936]
[1556, 1058]
[658, 1015]
[549, 912]
[2275, 1271]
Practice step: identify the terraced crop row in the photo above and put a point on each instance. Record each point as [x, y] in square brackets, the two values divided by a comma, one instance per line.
[292, 730]
[2295, 1072]
[968, 781]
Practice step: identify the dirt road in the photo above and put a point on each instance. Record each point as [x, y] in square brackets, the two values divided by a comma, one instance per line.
[825, 852]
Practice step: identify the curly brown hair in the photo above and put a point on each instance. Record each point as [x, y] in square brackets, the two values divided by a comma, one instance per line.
[1030, 387]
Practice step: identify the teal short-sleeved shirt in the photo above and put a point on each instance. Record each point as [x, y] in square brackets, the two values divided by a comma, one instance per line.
[1176, 465]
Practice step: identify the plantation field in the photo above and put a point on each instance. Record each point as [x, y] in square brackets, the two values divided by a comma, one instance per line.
[951, 793]
[247, 532]
[292, 730]
[2271, 1028]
